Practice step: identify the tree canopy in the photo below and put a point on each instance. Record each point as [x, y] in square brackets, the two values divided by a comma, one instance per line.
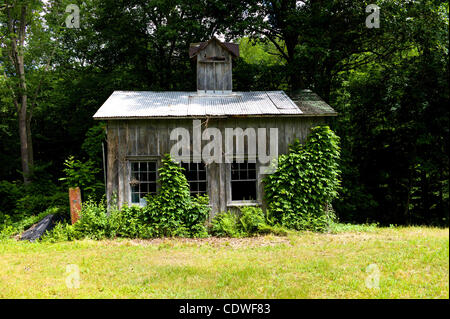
[389, 84]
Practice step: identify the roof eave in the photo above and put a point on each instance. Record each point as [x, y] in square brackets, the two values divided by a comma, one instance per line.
[99, 118]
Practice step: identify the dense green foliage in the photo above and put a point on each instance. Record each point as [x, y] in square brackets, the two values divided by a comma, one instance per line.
[390, 86]
[306, 181]
[225, 224]
[249, 221]
[172, 212]
[395, 141]
[83, 175]
[97, 223]
[19, 201]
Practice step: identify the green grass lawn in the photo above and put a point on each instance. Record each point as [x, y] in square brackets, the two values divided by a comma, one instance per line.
[413, 262]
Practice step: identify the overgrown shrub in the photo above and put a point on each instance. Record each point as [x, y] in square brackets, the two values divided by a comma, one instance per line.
[10, 193]
[197, 215]
[7, 231]
[129, 222]
[225, 224]
[249, 221]
[173, 212]
[300, 192]
[19, 201]
[83, 175]
[198, 211]
[34, 202]
[94, 221]
[61, 232]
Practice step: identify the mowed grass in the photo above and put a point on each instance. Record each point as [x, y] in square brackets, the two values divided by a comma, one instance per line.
[413, 262]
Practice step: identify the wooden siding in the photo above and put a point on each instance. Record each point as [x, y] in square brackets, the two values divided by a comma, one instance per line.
[214, 75]
[150, 140]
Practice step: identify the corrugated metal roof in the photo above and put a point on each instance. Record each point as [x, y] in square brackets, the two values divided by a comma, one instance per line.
[311, 104]
[148, 104]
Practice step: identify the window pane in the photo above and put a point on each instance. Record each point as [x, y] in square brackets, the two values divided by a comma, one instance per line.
[144, 188]
[243, 190]
[191, 175]
[243, 181]
[145, 174]
[152, 166]
[135, 197]
[195, 172]
[202, 187]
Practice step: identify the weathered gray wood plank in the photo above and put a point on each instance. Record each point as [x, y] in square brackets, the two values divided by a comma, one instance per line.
[141, 138]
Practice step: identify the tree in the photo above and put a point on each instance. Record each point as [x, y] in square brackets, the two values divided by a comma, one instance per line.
[147, 42]
[394, 121]
[22, 29]
[320, 38]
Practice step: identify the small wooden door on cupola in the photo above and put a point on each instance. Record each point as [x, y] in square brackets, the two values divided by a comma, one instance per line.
[214, 65]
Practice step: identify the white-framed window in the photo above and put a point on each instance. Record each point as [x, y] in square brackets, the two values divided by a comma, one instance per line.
[143, 176]
[243, 181]
[196, 176]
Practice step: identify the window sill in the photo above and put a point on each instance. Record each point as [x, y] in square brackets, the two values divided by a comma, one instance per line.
[243, 203]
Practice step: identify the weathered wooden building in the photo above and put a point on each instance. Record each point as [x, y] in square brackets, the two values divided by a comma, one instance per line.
[143, 126]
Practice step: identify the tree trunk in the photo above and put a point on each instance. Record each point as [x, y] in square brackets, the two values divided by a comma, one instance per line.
[17, 28]
[24, 151]
[29, 142]
[24, 132]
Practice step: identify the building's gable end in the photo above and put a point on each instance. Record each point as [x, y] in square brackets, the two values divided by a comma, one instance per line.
[214, 69]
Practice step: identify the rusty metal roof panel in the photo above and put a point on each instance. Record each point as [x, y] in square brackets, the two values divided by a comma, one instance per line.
[311, 104]
[148, 104]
